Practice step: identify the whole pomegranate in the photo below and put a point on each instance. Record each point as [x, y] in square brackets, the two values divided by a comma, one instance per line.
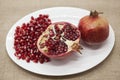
[59, 39]
[94, 28]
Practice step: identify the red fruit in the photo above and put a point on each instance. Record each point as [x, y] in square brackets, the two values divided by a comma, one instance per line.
[65, 39]
[94, 29]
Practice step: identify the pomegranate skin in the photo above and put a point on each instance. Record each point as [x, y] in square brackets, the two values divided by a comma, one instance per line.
[94, 30]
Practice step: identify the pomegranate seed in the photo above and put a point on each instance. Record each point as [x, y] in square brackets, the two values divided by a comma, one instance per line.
[35, 60]
[28, 59]
[41, 61]
[70, 33]
[32, 18]
[26, 36]
[23, 57]
[57, 37]
[59, 47]
[51, 33]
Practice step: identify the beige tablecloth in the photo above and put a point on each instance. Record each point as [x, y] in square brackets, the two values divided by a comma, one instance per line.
[12, 10]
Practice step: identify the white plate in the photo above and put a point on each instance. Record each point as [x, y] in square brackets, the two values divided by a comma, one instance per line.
[76, 63]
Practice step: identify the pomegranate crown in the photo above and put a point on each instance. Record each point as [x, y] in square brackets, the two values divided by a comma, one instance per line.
[95, 13]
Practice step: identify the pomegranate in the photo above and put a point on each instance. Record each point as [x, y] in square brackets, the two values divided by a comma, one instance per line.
[94, 28]
[25, 39]
[59, 39]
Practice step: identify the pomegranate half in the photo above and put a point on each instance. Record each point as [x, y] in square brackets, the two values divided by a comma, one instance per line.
[59, 39]
[94, 28]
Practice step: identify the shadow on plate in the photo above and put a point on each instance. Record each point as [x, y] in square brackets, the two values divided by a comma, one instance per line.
[66, 60]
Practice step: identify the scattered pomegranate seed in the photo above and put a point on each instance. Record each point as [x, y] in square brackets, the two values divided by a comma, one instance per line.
[26, 36]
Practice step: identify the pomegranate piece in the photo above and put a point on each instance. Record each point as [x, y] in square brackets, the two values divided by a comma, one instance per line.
[26, 36]
[65, 38]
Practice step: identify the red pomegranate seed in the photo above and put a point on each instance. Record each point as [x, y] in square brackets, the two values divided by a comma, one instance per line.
[28, 59]
[35, 60]
[70, 33]
[32, 18]
[59, 47]
[41, 61]
[25, 39]
[51, 33]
